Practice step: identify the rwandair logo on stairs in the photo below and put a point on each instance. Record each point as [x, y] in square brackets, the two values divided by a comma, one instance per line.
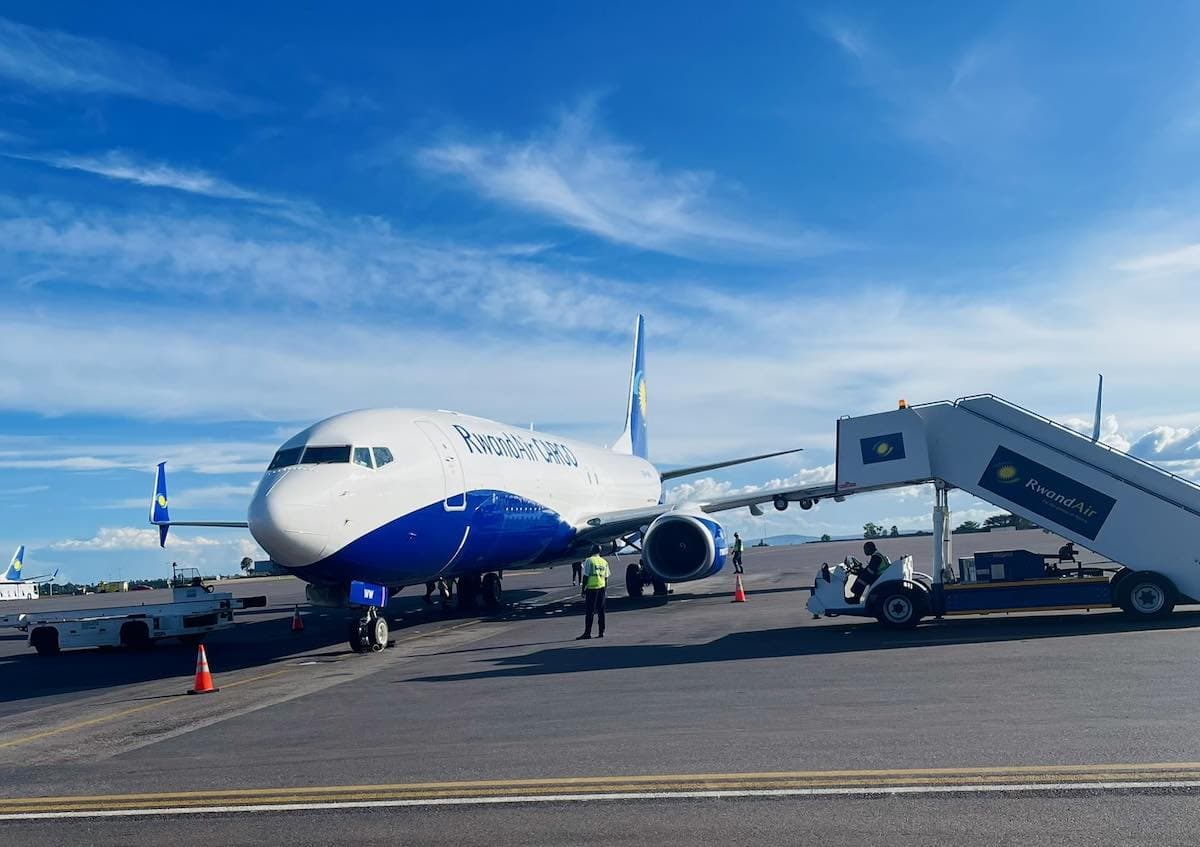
[1046, 492]
[882, 448]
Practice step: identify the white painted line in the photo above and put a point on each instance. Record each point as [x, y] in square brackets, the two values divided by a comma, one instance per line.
[639, 795]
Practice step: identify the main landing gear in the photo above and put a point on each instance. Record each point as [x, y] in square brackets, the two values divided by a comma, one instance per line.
[473, 589]
[637, 578]
[369, 634]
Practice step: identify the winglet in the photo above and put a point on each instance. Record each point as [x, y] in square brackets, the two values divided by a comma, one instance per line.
[1099, 400]
[633, 439]
[159, 515]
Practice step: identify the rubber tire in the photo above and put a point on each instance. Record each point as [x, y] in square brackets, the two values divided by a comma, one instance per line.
[377, 634]
[661, 588]
[635, 584]
[45, 640]
[136, 635]
[1138, 582]
[468, 590]
[359, 639]
[887, 608]
[492, 591]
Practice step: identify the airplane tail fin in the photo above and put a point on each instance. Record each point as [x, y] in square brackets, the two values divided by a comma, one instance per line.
[158, 506]
[633, 439]
[13, 574]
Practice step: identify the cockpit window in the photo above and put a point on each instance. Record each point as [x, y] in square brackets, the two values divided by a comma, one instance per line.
[382, 456]
[285, 458]
[326, 455]
[362, 456]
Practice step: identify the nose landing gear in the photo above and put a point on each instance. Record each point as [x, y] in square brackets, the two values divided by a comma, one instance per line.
[369, 634]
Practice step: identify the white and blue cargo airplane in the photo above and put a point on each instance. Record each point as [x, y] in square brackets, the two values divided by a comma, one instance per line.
[377, 499]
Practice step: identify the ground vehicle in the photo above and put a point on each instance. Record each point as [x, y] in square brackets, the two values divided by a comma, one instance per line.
[993, 581]
[1107, 501]
[192, 614]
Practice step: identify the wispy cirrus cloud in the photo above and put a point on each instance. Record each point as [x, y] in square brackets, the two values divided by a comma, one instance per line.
[50, 60]
[120, 166]
[976, 101]
[577, 175]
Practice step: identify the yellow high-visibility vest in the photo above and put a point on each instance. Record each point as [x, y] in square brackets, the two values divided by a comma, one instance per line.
[595, 572]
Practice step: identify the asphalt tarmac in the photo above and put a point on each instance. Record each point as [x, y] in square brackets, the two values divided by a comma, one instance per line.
[694, 718]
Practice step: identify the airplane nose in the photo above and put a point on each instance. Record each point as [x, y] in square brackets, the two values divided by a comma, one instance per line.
[291, 524]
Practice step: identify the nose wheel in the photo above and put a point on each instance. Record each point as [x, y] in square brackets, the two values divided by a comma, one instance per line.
[369, 634]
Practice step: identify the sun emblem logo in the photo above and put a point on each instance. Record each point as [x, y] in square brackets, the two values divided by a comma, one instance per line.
[1007, 473]
[641, 395]
[883, 448]
[162, 501]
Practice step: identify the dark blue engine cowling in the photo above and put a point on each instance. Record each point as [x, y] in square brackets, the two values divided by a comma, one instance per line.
[681, 547]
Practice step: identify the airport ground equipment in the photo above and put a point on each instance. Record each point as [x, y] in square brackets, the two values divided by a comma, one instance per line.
[192, 614]
[1128, 510]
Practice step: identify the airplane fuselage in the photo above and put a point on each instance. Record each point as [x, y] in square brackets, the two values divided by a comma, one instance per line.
[403, 496]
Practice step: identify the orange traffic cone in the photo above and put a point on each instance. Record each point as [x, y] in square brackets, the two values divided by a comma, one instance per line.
[204, 680]
[739, 593]
[297, 621]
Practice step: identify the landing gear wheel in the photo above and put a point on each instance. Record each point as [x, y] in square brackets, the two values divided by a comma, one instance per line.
[661, 588]
[377, 634]
[468, 589]
[368, 634]
[493, 591]
[900, 608]
[634, 582]
[1146, 596]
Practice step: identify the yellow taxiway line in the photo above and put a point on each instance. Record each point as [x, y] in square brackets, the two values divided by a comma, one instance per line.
[783, 783]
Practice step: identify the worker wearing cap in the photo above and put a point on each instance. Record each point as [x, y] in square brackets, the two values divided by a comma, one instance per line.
[875, 566]
[738, 545]
[595, 584]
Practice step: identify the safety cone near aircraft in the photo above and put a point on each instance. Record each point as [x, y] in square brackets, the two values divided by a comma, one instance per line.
[739, 593]
[297, 621]
[204, 680]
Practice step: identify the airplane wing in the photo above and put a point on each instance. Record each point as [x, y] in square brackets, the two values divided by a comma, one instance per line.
[607, 526]
[675, 473]
[161, 518]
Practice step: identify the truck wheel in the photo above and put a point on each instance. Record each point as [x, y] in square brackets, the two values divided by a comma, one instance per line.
[634, 586]
[493, 591]
[136, 636]
[900, 608]
[44, 639]
[1146, 596]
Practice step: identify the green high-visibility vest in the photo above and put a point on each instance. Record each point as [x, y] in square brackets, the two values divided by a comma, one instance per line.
[595, 572]
[737, 545]
[886, 561]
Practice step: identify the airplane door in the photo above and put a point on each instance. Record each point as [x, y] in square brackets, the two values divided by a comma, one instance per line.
[453, 476]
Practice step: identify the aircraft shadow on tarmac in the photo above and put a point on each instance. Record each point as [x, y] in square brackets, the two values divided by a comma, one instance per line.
[261, 637]
[805, 641]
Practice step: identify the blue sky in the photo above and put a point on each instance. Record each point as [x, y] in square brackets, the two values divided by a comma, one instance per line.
[218, 224]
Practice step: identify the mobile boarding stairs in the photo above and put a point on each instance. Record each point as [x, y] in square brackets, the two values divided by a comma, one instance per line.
[1128, 510]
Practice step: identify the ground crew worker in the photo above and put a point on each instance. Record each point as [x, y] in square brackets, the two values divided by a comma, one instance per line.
[875, 566]
[595, 583]
[576, 573]
[737, 553]
[1067, 552]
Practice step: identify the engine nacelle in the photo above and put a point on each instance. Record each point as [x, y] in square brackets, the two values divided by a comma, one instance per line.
[680, 547]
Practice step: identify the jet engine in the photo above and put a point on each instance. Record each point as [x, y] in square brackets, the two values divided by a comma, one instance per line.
[679, 547]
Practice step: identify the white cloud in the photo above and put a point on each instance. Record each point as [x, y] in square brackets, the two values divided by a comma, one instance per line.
[130, 538]
[22, 490]
[196, 497]
[1184, 259]
[50, 60]
[118, 165]
[212, 457]
[577, 175]
[976, 103]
